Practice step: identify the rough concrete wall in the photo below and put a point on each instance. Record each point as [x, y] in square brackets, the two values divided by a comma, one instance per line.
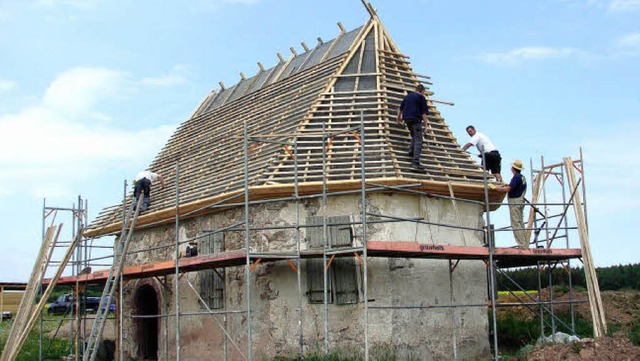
[427, 333]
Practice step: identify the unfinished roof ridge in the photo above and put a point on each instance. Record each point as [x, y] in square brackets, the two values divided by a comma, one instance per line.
[284, 68]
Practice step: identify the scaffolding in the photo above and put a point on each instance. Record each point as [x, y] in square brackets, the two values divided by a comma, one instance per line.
[497, 259]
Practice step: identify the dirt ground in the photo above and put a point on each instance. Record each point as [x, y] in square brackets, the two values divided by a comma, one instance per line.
[616, 348]
[621, 308]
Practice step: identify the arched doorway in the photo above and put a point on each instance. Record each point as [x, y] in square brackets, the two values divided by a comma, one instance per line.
[146, 303]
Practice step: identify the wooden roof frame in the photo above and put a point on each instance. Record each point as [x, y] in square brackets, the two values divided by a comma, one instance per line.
[371, 77]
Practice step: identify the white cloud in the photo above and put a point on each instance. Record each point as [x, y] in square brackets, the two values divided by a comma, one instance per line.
[624, 5]
[6, 85]
[177, 75]
[61, 138]
[629, 41]
[78, 90]
[528, 53]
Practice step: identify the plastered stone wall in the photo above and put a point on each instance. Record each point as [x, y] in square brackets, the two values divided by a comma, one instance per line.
[406, 314]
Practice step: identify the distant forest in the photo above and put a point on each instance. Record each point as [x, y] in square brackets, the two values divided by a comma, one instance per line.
[609, 278]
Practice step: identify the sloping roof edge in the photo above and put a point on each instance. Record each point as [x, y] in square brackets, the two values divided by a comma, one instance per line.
[473, 192]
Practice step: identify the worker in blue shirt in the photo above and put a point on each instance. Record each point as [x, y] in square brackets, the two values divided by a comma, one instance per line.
[515, 194]
[413, 110]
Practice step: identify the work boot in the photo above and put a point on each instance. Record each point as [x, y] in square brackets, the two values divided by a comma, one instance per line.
[417, 166]
[145, 204]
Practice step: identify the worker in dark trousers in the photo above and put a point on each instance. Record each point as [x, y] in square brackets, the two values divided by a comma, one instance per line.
[491, 158]
[192, 249]
[413, 110]
[142, 184]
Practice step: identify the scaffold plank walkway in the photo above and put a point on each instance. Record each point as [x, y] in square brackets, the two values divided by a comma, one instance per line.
[505, 257]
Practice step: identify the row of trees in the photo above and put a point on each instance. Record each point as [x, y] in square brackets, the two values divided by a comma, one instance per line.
[609, 278]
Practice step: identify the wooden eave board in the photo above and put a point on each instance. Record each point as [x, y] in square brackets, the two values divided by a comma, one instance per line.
[265, 192]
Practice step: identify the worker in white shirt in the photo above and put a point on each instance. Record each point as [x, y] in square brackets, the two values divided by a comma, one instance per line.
[488, 152]
[142, 184]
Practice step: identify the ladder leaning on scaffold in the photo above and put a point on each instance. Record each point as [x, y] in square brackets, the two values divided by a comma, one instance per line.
[112, 281]
[29, 311]
[593, 289]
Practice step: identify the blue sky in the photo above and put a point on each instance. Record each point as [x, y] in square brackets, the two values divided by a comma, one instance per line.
[90, 90]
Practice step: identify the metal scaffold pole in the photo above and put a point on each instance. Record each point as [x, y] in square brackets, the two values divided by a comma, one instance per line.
[177, 255]
[492, 277]
[247, 244]
[325, 240]
[298, 246]
[120, 309]
[363, 195]
[44, 207]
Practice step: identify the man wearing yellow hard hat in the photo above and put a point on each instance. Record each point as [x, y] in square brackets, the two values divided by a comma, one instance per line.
[515, 195]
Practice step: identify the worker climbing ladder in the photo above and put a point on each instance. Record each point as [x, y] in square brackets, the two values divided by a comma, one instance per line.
[111, 284]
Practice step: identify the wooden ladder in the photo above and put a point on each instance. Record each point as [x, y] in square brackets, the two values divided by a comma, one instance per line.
[29, 311]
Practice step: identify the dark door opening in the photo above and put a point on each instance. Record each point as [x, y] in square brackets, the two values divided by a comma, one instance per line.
[147, 328]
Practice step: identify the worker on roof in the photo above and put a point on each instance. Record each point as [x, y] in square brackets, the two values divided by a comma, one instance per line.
[491, 159]
[142, 183]
[515, 194]
[413, 110]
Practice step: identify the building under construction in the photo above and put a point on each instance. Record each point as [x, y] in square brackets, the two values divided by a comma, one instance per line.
[314, 233]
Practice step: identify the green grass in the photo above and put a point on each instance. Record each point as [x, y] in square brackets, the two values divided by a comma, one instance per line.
[515, 333]
[317, 356]
[31, 349]
[377, 353]
[634, 332]
[517, 293]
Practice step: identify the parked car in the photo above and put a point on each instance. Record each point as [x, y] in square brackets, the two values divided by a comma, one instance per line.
[111, 305]
[67, 304]
[6, 315]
